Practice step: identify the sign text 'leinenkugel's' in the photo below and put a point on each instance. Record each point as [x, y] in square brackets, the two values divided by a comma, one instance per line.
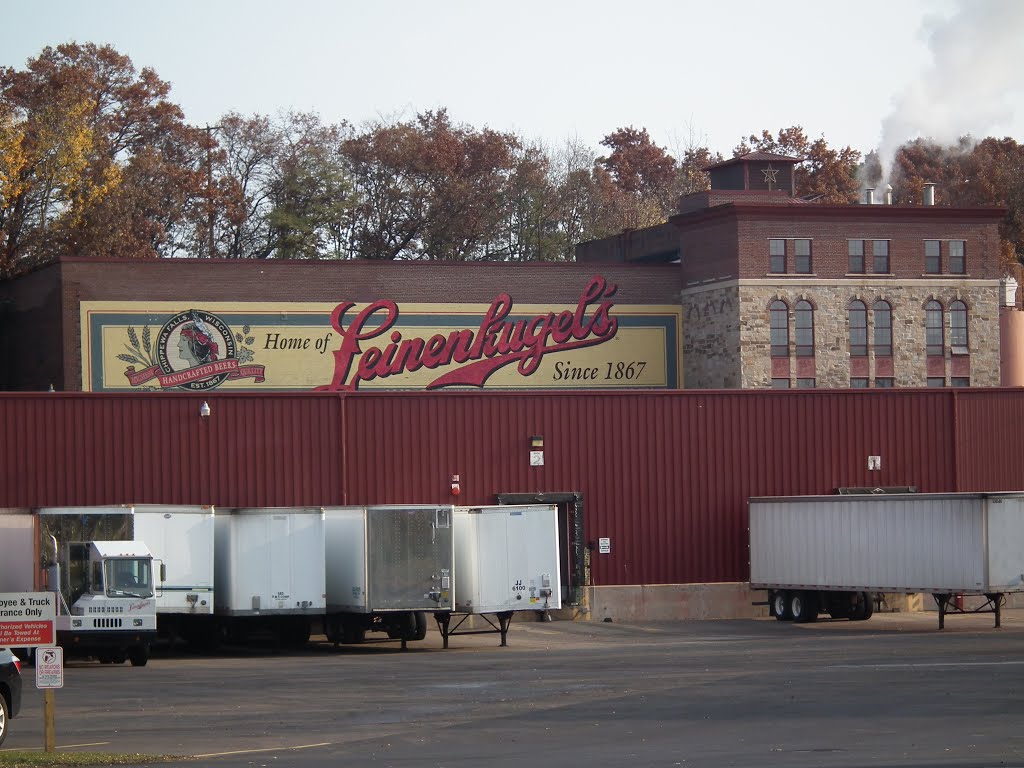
[592, 341]
[479, 352]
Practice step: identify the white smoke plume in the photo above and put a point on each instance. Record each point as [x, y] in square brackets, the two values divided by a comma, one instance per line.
[974, 83]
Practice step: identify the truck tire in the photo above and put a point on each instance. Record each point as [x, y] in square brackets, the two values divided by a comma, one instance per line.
[421, 626]
[294, 633]
[864, 608]
[138, 655]
[352, 632]
[778, 606]
[803, 606]
[869, 606]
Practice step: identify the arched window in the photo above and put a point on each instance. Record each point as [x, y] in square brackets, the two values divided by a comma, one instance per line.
[780, 328]
[804, 317]
[958, 328]
[858, 313]
[933, 336]
[883, 329]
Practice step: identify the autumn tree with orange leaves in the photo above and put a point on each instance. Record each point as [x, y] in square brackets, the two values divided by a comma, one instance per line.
[823, 174]
[94, 158]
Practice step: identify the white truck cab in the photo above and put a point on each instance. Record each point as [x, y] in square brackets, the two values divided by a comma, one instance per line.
[106, 605]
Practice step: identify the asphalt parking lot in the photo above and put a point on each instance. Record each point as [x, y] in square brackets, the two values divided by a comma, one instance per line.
[893, 691]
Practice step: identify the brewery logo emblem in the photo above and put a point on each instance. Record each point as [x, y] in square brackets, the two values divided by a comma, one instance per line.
[195, 350]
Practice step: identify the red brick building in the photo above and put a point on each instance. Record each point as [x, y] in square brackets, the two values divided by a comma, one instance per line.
[780, 292]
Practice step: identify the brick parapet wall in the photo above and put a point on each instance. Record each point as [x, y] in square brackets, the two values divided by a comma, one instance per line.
[830, 237]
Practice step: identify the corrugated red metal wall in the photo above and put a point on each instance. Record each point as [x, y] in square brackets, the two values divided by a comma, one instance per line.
[253, 450]
[664, 475]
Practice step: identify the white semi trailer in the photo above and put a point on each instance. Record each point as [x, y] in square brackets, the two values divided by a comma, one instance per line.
[269, 572]
[181, 539]
[835, 554]
[388, 567]
[506, 561]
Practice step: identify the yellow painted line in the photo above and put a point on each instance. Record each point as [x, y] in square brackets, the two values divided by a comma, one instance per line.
[268, 749]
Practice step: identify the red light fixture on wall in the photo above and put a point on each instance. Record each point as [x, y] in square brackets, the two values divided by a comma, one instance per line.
[456, 485]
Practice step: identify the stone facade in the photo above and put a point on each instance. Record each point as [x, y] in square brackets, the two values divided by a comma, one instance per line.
[831, 362]
[712, 337]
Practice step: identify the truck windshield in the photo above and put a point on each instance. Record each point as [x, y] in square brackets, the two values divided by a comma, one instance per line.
[132, 576]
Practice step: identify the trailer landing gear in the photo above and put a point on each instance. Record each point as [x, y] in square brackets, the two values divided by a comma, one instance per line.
[444, 618]
[947, 604]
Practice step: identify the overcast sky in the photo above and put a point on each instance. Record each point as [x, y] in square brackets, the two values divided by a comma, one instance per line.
[690, 71]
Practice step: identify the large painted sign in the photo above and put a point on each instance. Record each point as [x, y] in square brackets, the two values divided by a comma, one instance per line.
[277, 346]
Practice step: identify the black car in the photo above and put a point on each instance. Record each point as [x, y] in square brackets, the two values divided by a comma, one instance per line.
[10, 690]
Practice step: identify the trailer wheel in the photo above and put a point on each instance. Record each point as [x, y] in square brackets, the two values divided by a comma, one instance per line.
[352, 633]
[138, 655]
[864, 608]
[803, 606]
[778, 604]
[421, 626]
[294, 633]
[869, 606]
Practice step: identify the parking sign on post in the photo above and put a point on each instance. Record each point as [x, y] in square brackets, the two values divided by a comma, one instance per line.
[50, 668]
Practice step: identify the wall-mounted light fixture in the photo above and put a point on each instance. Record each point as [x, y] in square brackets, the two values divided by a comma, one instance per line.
[204, 410]
[537, 451]
[456, 485]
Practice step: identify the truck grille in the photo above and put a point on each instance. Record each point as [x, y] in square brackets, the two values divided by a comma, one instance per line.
[111, 623]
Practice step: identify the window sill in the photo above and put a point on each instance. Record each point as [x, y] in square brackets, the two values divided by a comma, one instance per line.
[868, 274]
[951, 275]
[792, 274]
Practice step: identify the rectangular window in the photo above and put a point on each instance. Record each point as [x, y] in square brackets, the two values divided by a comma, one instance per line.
[858, 383]
[880, 250]
[959, 381]
[936, 381]
[805, 383]
[957, 257]
[932, 257]
[777, 256]
[780, 383]
[802, 256]
[884, 382]
[858, 342]
[856, 248]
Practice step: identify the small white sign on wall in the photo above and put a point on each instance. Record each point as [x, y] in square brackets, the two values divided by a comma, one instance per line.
[604, 546]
